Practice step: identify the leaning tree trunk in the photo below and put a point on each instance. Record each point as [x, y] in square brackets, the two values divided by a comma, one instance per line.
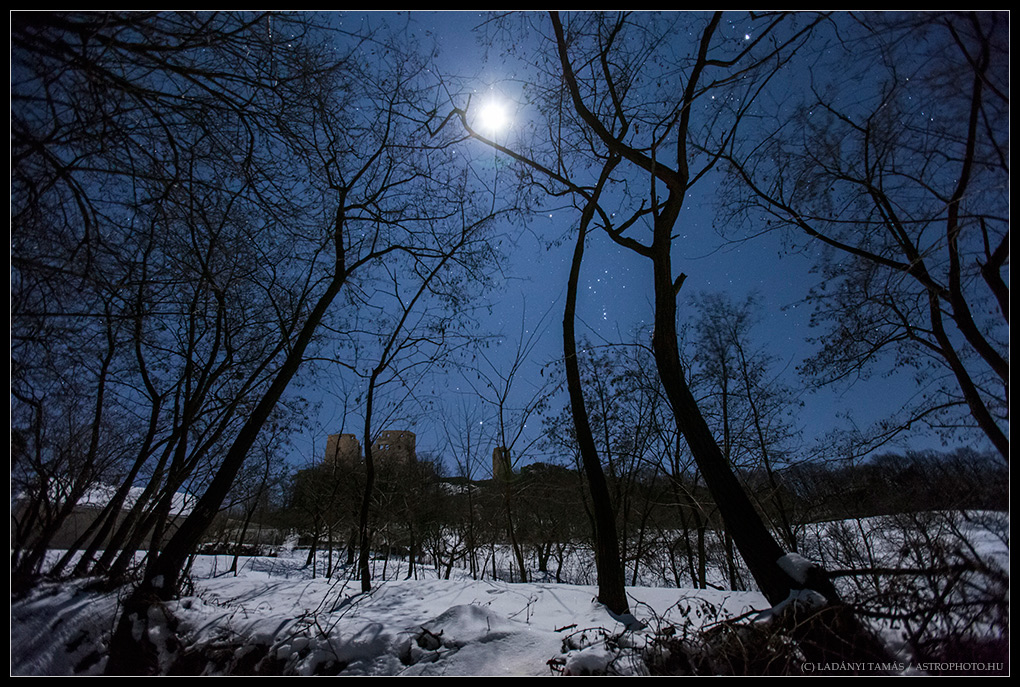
[131, 652]
[609, 567]
[833, 633]
[755, 542]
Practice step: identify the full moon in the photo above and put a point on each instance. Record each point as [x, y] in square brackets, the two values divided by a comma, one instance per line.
[493, 117]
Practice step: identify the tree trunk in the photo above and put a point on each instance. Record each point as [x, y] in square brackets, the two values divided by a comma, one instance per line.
[611, 580]
[163, 576]
[754, 541]
[511, 531]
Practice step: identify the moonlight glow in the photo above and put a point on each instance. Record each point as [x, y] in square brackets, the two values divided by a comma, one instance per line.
[493, 117]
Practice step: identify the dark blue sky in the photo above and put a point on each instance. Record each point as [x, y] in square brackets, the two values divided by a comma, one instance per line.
[616, 295]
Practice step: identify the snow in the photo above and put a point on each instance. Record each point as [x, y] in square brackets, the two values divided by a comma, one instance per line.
[798, 600]
[100, 495]
[402, 627]
[276, 616]
[796, 566]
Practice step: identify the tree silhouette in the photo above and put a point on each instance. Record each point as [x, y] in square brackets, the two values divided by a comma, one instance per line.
[894, 173]
[268, 162]
[603, 111]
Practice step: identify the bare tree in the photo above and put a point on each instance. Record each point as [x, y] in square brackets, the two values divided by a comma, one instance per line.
[744, 400]
[68, 460]
[270, 163]
[658, 144]
[499, 388]
[893, 169]
[632, 124]
[413, 346]
[467, 445]
[141, 198]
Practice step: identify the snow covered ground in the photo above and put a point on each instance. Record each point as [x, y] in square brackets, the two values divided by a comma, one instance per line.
[402, 627]
[274, 616]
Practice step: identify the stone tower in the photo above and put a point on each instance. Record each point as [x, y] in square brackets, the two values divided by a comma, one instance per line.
[342, 449]
[501, 469]
[394, 446]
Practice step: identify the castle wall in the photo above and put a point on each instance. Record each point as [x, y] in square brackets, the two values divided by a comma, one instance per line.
[395, 446]
[342, 448]
[390, 446]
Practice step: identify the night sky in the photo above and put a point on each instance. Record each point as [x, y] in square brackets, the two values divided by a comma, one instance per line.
[616, 296]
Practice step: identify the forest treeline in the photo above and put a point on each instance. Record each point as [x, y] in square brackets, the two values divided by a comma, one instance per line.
[670, 528]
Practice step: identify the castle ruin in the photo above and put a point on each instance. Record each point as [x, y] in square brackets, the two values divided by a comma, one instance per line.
[342, 449]
[390, 447]
[501, 468]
